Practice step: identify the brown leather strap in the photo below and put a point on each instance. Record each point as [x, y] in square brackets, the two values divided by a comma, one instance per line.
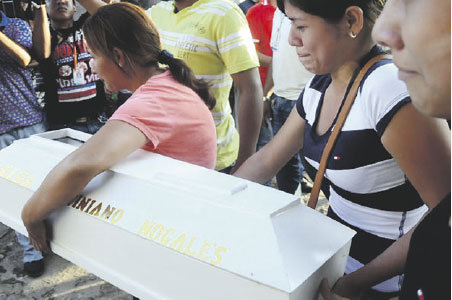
[313, 198]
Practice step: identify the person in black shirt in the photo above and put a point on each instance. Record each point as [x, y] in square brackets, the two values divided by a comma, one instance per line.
[75, 97]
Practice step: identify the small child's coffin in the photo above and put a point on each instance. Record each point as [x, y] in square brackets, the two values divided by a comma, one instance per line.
[159, 228]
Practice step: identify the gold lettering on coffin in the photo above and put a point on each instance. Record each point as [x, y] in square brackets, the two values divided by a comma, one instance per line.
[15, 175]
[96, 209]
[170, 237]
[182, 242]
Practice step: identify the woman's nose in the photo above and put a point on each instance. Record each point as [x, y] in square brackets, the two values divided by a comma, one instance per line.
[294, 39]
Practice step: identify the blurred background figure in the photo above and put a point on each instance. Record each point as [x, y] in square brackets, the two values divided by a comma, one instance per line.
[260, 19]
[287, 77]
[217, 45]
[20, 112]
[245, 5]
[74, 96]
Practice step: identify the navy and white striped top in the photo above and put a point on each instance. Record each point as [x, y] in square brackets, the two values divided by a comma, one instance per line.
[369, 191]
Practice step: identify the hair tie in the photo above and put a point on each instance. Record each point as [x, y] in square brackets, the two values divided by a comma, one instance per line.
[165, 57]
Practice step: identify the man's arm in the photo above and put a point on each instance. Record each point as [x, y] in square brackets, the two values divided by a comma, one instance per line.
[249, 90]
[14, 50]
[74, 172]
[264, 60]
[268, 86]
[41, 33]
[268, 90]
[91, 6]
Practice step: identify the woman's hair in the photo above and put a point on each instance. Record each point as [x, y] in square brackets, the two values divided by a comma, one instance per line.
[127, 27]
[333, 10]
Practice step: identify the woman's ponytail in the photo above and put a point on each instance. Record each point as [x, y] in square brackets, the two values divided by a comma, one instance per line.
[183, 74]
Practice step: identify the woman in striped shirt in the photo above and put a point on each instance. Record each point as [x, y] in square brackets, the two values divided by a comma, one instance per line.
[381, 166]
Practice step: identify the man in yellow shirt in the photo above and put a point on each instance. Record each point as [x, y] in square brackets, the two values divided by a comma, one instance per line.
[213, 38]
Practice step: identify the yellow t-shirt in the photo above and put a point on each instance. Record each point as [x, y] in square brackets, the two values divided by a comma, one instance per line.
[213, 38]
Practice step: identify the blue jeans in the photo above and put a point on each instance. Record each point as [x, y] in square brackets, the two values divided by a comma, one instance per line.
[6, 139]
[227, 170]
[291, 174]
[265, 135]
[9, 137]
[30, 253]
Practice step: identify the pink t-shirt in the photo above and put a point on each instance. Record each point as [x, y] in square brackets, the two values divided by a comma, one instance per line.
[174, 118]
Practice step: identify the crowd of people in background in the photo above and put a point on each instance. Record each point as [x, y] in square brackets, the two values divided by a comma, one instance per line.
[163, 76]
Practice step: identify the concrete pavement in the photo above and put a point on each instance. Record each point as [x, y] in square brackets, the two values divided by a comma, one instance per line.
[61, 279]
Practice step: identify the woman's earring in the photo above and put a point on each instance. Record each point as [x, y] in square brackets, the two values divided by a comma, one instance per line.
[352, 34]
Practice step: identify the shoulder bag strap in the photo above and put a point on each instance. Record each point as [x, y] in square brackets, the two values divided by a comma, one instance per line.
[313, 198]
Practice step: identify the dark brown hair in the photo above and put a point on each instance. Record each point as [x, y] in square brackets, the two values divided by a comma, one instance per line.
[334, 10]
[127, 27]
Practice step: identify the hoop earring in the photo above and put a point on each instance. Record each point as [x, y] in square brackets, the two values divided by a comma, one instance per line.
[352, 34]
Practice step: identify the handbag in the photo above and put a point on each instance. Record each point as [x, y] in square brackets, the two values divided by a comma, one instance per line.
[343, 113]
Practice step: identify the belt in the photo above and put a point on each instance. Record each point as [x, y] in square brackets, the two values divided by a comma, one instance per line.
[102, 117]
[81, 120]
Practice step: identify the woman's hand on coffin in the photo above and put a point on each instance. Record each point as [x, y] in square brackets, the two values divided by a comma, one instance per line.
[38, 236]
[327, 292]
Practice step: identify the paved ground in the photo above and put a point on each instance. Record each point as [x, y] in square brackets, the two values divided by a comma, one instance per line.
[61, 279]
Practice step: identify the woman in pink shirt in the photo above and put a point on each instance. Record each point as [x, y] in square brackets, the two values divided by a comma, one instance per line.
[168, 112]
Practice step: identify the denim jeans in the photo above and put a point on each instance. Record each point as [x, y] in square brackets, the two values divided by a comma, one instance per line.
[6, 139]
[291, 174]
[227, 170]
[9, 137]
[30, 253]
[265, 135]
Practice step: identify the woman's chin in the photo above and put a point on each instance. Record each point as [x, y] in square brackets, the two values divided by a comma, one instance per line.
[310, 67]
[433, 107]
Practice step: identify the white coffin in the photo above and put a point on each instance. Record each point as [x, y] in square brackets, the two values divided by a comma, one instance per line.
[159, 228]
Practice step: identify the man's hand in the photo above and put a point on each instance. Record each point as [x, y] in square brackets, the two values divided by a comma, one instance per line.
[267, 112]
[37, 235]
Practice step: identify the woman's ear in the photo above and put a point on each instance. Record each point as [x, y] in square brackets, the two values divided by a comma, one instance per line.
[118, 57]
[354, 18]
